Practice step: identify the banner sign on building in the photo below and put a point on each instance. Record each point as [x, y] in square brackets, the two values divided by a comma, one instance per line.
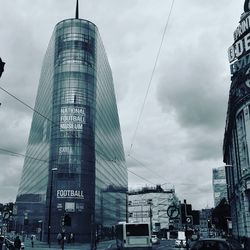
[77, 194]
[70, 206]
[72, 118]
[65, 150]
[138, 203]
[138, 214]
[238, 53]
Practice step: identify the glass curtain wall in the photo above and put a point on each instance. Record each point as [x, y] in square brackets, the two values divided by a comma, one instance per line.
[75, 162]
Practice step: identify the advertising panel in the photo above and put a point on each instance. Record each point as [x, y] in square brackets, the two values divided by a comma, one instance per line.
[72, 118]
[70, 206]
[63, 194]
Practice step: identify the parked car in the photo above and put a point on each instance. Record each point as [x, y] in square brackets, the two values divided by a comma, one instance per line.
[215, 244]
[155, 239]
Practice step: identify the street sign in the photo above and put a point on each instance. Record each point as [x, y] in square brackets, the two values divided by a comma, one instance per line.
[6, 215]
[173, 212]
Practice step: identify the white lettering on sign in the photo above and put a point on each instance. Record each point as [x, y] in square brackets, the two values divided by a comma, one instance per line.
[240, 64]
[65, 151]
[241, 46]
[138, 202]
[71, 126]
[72, 110]
[72, 118]
[78, 194]
[220, 181]
[242, 28]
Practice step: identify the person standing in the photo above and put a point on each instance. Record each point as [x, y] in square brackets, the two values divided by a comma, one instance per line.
[17, 243]
[63, 239]
[32, 240]
[59, 238]
[72, 239]
[1, 242]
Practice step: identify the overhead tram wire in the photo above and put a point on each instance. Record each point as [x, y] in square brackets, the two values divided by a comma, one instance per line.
[151, 78]
[100, 153]
[25, 104]
[19, 154]
[12, 153]
[149, 169]
[140, 115]
[45, 117]
[167, 182]
[37, 159]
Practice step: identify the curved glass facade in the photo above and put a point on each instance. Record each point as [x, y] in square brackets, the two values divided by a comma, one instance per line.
[75, 160]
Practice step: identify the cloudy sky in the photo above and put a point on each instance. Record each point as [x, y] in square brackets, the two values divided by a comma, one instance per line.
[180, 133]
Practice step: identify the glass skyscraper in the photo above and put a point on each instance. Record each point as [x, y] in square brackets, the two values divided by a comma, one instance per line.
[75, 163]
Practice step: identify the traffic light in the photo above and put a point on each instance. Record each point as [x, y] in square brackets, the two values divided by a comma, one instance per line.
[1, 67]
[26, 222]
[67, 220]
[186, 214]
[62, 220]
[209, 224]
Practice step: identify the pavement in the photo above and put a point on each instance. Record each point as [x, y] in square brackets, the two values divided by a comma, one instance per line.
[54, 246]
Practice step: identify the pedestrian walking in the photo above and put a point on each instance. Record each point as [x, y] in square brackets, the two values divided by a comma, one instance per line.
[17, 243]
[1, 242]
[63, 240]
[32, 240]
[72, 239]
[245, 243]
[59, 238]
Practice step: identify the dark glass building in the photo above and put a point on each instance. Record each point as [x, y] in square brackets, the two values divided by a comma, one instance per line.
[74, 168]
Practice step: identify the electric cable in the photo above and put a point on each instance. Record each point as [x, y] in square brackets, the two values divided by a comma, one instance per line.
[46, 161]
[149, 169]
[25, 104]
[100, 153]
[19, 154]
[151, 78]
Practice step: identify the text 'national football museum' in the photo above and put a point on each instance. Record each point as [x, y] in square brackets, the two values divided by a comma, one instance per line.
[74, 178]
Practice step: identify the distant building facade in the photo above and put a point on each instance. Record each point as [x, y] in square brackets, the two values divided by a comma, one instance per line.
[75, 161]
[237, 130]
[205, 222]
[150, 204]
[219, 185]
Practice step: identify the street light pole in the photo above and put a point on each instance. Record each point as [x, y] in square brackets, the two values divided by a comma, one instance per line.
[41, 229]
[50, 201]
[150, 202]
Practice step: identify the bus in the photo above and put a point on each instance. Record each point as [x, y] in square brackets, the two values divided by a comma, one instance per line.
[133, 236]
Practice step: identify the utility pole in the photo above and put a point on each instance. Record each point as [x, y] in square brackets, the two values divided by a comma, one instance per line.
[50, 203]
[150, 213]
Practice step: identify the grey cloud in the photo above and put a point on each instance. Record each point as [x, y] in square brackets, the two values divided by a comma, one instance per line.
[182, 125]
